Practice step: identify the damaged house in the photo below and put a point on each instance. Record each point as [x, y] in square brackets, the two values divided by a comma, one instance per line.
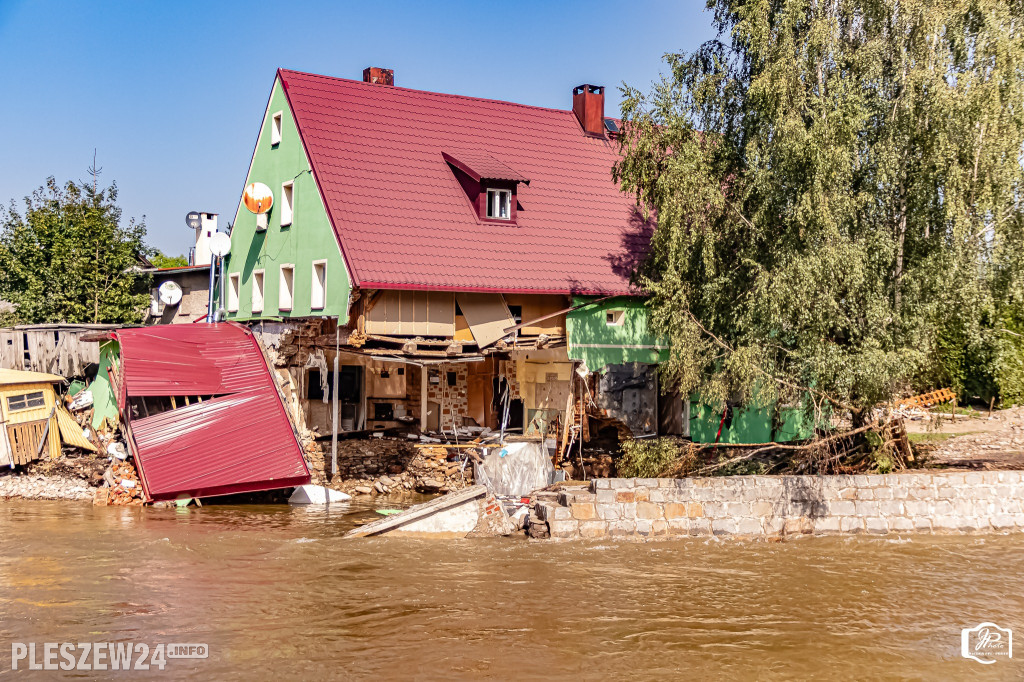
[446, 264]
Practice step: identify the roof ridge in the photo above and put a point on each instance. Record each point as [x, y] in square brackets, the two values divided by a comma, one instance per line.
[427, 92]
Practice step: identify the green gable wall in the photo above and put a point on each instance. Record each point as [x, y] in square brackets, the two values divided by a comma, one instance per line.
[593, 340]
[309, 238]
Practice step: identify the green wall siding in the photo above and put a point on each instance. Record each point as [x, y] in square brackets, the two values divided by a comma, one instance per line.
[593, 340]
[309, 238]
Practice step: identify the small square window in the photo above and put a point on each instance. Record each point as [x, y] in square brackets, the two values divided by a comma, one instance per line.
[233, 292]
[257, 291]
[614, 318]
[499, 204]
[287, 191]
[275, 129]
[318, 298]
[286, 292]
[26, 401]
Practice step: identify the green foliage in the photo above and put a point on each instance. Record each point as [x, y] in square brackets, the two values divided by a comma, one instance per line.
[69, 258]
[161, 260]
[837, 193]
[648, 458]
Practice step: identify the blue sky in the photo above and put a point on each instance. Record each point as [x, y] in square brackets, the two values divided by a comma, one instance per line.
[171, 94]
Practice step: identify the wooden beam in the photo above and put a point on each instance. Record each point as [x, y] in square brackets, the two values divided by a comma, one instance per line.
[559, 312]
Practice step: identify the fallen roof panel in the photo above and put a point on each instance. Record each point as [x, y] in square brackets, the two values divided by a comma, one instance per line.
[240, 441]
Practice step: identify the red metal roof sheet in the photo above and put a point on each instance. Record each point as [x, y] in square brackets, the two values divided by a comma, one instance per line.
[480, 165]
[401, 217]
[240, 441]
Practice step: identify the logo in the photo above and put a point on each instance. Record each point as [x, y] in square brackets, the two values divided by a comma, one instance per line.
[986, 643]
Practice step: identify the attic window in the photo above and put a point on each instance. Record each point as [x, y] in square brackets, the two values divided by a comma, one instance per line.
[275, 129]
[287, 191]
[614, 318]
[499, 202]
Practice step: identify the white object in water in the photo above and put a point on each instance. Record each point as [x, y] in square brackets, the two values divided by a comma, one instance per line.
[317, 494]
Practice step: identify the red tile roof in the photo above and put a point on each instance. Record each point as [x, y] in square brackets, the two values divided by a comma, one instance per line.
[239, 441]
[403, 220]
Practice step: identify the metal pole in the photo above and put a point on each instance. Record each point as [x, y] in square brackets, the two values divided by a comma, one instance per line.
[221, 306]
[334, 396]
[209, 303]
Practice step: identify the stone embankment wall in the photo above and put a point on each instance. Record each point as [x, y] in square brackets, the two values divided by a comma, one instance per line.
[38, 487]
[767, 506]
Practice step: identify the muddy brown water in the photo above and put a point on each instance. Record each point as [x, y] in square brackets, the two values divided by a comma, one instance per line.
[276, 592]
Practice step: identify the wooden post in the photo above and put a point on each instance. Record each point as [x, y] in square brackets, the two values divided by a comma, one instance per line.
[991, 404]
[423, 398]
[953, 410]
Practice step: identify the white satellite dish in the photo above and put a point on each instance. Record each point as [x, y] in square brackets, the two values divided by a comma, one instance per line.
[169, 293]
[220, 244]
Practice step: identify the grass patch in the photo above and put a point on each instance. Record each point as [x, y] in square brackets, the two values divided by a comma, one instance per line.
[931, 437]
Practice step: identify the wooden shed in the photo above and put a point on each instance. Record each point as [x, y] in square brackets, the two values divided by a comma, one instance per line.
[31, 416]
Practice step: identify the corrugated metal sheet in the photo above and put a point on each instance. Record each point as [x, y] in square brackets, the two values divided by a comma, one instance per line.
[239, 441]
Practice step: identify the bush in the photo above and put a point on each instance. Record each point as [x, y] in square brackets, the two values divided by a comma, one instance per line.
[648, 458]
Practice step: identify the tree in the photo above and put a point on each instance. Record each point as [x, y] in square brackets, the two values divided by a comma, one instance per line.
[162, 260]
[837, 190]
[69, 258]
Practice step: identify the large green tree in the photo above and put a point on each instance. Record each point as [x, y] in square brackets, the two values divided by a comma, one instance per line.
[69, 257]
[837, 190]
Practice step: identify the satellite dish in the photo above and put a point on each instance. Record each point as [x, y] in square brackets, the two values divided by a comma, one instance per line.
[257, 197]
[169, 293]
[193, 220]
[220, 244]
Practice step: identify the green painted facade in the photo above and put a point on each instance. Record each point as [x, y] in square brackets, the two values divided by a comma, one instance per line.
[598, 342]
[104, 403]
[749, 424]
[308, 239]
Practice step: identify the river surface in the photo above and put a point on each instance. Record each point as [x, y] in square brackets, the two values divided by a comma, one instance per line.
[277, 593]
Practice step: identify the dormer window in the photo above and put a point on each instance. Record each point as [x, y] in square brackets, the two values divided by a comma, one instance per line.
[492, 188]
[499, 202]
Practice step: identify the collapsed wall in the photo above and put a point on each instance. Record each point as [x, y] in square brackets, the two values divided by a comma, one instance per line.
[772, 506]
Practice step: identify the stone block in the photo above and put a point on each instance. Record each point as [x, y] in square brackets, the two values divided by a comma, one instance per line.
[842, 508]
[681, 526]
[605, 496]
[714, 509]
[622, 527]
[826, 524]
[737, 509]
[876, 525]
[700, 527]
[620, 483]
[882, 493]
[704, 494]
[1002, 521]
[943, 508]
[922, 524]
[774, 525]
[560, 514]
[675, 510]
[644, 526]
[658, 495]
[645, 482]
[593, 529]
[649, 510]
[917, 508]
[641, 494]
[601, 484]
[866, 508]
[891, 508]
[723, 527]
[762, 508]
[798, 525]
[563, 529]
[851, 524]
[848, 493]
[900, 523]
[946, 522]
[584, 512]
[659, 527]
[625, 496]
[974, 478]
[627, 510]
[945, 493]
[608, 512]
[749, 527]
[1018, 520]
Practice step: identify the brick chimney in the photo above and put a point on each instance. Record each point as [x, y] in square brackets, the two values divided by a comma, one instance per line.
[588, 105]
[375, 74]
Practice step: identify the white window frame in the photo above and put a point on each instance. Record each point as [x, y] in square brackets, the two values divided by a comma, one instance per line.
[318, 286]
[259, 281]
[508, 204]
[275, 128]
[233, 290]
[287, 203]
[286, 287]
[614, 318]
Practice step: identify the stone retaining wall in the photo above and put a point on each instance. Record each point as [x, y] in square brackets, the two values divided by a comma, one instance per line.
[764, 506]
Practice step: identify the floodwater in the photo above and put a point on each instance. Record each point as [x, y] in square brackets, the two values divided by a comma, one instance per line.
[276, 592]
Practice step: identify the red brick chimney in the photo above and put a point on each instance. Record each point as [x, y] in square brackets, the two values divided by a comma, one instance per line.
[588, 105]
[375, 74]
